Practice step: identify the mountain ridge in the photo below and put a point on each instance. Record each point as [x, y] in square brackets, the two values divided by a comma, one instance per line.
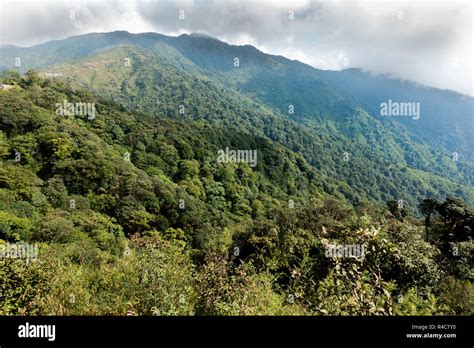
[207, 36]
[260, 88]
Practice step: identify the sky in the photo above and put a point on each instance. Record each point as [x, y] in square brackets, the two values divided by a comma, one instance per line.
[429, 42]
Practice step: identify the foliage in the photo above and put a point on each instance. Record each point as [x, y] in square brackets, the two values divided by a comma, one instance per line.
[133, 215]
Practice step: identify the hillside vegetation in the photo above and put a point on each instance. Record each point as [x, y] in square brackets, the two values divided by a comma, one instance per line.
[134, 215]
[334, 124]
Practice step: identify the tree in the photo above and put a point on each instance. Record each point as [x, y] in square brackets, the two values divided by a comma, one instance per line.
[398, 211]
[428, 207]
[32, 78]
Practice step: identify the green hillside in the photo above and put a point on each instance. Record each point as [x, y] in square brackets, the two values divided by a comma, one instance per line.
[159, 175]
[133, 214]
[334, 128]
[342, 142]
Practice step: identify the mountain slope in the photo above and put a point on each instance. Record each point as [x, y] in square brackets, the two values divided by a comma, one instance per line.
[136, 168]
[130, 213]
[446, 125]
[367, 157]
[446, 118]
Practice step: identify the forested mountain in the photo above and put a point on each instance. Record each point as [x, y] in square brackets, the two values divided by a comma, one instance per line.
[195, 76]
[441, 109]
[135, 214]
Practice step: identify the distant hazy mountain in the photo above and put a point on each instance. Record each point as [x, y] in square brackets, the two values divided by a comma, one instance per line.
[447, 117]
[332, 119]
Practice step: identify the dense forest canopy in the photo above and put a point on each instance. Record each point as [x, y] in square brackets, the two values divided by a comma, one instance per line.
[133, 214]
